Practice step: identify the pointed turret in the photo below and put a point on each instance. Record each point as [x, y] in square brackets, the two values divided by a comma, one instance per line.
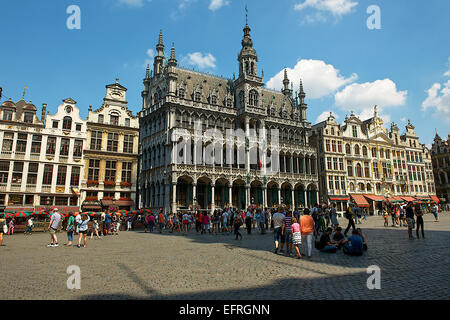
[247, 57]
[303, 106]
[172, 61]
[159, 58]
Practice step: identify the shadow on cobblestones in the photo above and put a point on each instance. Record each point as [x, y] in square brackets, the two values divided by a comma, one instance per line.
[410, 269]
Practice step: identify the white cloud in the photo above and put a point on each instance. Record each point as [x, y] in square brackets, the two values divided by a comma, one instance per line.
[362, 97]
[151, 54]
[324, 116]
[439, 99]
[403, 119]
[447, 74]
[359, 96]
[337, 8]
[200, 61]
[133, 3]
[319, 79]
[217, 4]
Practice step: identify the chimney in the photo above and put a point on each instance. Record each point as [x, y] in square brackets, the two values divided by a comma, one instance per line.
[44, 108]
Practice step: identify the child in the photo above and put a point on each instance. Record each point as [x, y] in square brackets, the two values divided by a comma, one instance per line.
[296, 236]
[386, 217]
[95, 229]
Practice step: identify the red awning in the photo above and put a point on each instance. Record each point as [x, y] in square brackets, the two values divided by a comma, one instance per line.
[396, 199]
[337, 198]
[124, 203]
[406, 198]
[61, 209]
[435, 199]
[374, 197]
[18, 209]
[360, 200]
[107, 202]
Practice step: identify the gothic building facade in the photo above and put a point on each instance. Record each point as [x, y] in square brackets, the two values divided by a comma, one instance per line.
[184, 123]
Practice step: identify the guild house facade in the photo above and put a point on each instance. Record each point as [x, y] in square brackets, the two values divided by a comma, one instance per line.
[250, 166]
[110, 157]
[41, 158]
[364, 162]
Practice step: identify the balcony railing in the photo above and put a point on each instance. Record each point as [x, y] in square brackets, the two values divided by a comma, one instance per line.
[30, 188]
[6, 154]
[20, 155]
[15, 186]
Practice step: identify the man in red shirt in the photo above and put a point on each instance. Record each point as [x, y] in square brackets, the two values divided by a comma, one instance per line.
[161, 221]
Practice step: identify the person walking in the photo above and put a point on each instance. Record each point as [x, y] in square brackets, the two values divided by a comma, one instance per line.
[237, 223]
[161, 220]
[296, 236]
[2, 228]
[83, 226]
[333, 216]
[11, 227]
[29, 225]
[278, 219]
[307, 230]
[205, 223]
[95, 229]
[130, 223]
[69, 228]
[53, 227]
[419, 214]
[349, 216]
[410, 219]
[107, 224]
[435, 211]
[286, 232]
[248, 221]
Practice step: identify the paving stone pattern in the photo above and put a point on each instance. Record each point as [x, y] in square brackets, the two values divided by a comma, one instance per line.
[136, 265]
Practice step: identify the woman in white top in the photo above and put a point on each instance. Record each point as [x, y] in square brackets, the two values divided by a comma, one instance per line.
[82, 221]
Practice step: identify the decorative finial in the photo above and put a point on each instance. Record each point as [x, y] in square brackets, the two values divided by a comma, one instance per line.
[117, 80]
[23, 95]
[246, 15]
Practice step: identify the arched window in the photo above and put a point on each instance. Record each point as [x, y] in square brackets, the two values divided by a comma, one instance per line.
[378, 187]
[357, 150]
[347, 149]
[352, 186]
[358, 170]
[253, 98]
[361, 187]
[253, 68]
[364, 150]
[114, 119]
[369, 188]
[67, 123]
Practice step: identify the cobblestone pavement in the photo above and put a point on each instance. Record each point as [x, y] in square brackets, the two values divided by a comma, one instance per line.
[135, 265]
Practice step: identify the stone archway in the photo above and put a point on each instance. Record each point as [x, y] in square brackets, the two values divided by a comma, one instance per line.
[238, 194]
[286, 194]
[299, 196]
[221, 193]
[272, 194]
[256, 193]
[184, 190]
[204, 192]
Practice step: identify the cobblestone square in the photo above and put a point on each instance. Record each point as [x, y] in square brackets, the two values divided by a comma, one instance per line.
[136, 265]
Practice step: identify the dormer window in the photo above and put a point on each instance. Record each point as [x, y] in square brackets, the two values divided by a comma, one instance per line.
[198, 97]
[213, 99]
[181, 93]
[7, 114]
[229, 103]
[28, 117]
[100, 118]
[127, 122]
[67, 123]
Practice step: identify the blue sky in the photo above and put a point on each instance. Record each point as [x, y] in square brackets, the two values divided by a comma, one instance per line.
[404, 67]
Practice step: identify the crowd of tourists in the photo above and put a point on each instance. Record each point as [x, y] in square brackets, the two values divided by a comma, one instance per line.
[291, 228]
